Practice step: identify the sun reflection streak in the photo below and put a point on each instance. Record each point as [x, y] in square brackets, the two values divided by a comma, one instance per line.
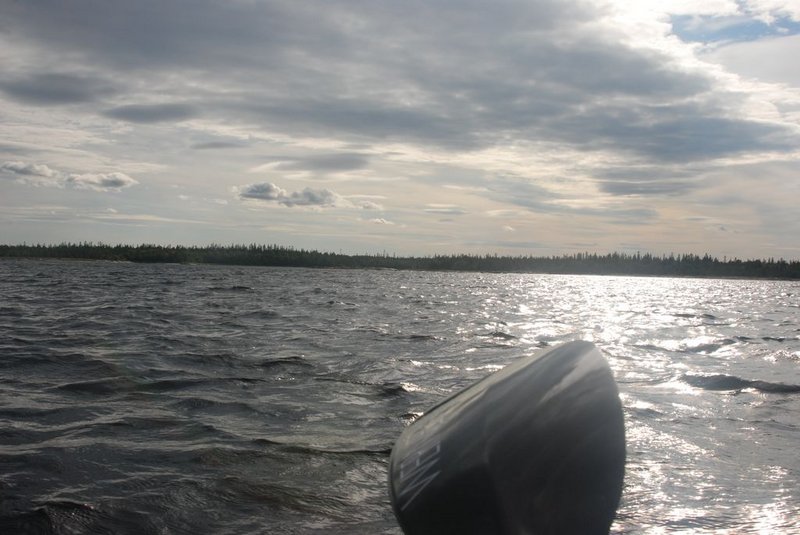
[696, 455]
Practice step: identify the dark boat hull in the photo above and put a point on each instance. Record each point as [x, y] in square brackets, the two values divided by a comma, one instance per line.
[536, 448]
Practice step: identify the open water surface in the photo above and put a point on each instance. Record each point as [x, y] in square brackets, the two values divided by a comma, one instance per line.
[167, 399]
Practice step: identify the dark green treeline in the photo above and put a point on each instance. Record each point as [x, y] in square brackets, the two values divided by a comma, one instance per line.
[686, 265]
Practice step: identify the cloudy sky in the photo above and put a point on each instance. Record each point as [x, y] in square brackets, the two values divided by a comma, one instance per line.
[412, 127]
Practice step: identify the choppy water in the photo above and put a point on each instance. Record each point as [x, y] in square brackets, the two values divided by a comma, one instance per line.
[204, 399]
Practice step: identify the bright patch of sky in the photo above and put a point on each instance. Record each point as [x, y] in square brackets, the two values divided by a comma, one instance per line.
[713, 29]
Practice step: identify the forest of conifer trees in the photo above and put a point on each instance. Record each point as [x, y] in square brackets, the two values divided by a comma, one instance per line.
[682, 265]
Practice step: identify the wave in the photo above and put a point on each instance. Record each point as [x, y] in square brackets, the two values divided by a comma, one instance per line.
[697, 316]
[499, 335]
[56, 517]
[110, 386]
[710, 347]
[317, 449]
[774, 338]
[418, 337]
[99, 387]
[260, 314]
[233, 288]
[731, 382]
[382, 389]
[293, 360]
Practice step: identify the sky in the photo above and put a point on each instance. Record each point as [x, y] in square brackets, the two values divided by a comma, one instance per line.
[537, 127]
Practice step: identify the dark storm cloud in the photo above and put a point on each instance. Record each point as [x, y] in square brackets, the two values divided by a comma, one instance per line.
[56, 88]
[152, 113]
[454, 75]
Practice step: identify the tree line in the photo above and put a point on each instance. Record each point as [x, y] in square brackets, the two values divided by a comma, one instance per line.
[685, 265]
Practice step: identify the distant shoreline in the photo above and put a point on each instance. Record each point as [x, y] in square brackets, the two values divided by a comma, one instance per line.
[684, 265]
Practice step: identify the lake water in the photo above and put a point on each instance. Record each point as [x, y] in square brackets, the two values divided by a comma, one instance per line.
[172, 399]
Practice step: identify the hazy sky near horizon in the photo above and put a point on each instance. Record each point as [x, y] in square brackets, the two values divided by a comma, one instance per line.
[412, 127]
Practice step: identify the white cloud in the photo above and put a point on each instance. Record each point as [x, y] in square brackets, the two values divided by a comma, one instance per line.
[770, 10]
[367, 205]
[763, 60]
[446, 209]
[27, 169]
[42, 175]
[144, 218]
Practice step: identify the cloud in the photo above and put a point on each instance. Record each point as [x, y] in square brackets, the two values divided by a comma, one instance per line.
[27, 169]
[179, 34]
[764, 59]
[772, 11]
[42, 175]
[676, 133]
[649, 180]
[56, 88]
[534, 198]
[211, 145]
[366, 205]
[311, 197]
[308, 197]
[263, 191]
[144, 218]
[445, 209]
[554, 70]
[101, 181]
[324, 163]
[523, 192]
[659, 188]
[358, 118]
[152, 113]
